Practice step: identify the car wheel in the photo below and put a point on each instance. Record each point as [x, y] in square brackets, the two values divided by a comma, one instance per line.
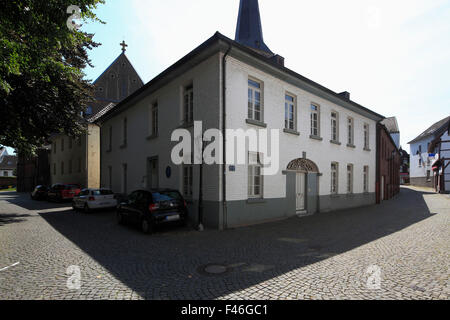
[146, 226]
[86, 209]
[119, 217]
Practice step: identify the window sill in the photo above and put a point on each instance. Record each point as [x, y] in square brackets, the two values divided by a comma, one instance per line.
[367, 149]
[290, 131]
[351, 146]
[256, 200]
[153, 136]
[256, 123]
[123, 146]
[316, 138]
[335, 142]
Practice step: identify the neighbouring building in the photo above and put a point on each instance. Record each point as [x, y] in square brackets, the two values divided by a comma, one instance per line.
[404, 167]
[33, 170]
[420, 160]
[388, 163]
[327, 141]
[440, 147]
[8, 168]
[77, 160]
[392, 127]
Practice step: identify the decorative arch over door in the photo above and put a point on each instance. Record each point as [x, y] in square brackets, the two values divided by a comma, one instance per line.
[304, 165]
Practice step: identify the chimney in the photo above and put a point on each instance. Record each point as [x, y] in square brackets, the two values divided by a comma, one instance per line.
[278, 59]
[345, 95]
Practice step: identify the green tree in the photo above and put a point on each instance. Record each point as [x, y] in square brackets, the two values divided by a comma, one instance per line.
[42, 90]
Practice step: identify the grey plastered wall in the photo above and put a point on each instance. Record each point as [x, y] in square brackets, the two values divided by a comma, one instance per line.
[329, 203]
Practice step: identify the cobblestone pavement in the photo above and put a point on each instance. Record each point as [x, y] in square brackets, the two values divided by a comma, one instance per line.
[326, 256]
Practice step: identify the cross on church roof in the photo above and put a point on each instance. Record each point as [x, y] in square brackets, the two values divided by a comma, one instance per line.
[124, 46]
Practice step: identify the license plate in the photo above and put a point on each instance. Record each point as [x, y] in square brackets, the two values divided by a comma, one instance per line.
[104, 203]
[173, 218]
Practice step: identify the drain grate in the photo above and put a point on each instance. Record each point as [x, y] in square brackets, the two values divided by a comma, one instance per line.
[213, 269]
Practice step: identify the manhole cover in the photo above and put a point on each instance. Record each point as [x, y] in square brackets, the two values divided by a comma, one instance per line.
[213, 270]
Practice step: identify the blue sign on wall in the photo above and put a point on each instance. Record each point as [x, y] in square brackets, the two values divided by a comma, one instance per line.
[168, 171]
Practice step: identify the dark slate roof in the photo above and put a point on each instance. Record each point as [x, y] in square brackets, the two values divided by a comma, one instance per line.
[391, 125]
[249, 29]
[8, 162]
[434, 130]
[220, 39]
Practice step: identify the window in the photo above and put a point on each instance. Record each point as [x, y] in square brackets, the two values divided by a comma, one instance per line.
[255, 179]
[54, 169]
[88, 110]
[187, 181]
[54, 147]
[125, 132]
[110, 138]
[420, 149]
[62, 144]
[153, 120]
[366, 179]
[420, 162]
[254, 100]
[79, 165]
[349, 178]
[334, 126]
[188, 105]
[5, 173]
[62, 168]
[351, 133]
[70, 166]
[110, 177]
[334, 177]
[428, 175]
[124, 178]
[290, 113]
[70, 143]
[315, 120]
[366, 136]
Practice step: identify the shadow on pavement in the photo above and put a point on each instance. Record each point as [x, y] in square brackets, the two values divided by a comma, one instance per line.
[166, 265]
[24, 200]
[12, 218]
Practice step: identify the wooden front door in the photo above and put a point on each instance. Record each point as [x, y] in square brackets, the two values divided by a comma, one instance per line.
[300, 191]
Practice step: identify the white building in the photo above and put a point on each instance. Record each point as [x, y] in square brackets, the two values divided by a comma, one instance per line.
[327, 142]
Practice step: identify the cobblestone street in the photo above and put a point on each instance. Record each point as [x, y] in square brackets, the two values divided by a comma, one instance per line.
[326, 256]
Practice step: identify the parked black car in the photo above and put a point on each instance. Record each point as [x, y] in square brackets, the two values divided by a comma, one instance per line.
[40, 193]
[152, 207]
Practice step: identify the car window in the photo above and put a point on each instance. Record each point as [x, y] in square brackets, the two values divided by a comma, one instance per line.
[132, 197]
[102, 192]
[166, 196]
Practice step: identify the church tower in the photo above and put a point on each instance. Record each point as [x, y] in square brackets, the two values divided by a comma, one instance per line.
[249, 29]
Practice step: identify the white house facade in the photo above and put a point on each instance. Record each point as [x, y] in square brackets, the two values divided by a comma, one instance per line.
[327, 143]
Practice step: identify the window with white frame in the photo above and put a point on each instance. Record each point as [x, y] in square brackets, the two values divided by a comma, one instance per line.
[350, 131]
[255, 109]
[334, 126]
[255, 178]
[366, 179]
[315, 120]
[366, 136]
[334, 177]
[153, 119]
[188, 171]
[290, 112]
[349, 178]
[188, 105]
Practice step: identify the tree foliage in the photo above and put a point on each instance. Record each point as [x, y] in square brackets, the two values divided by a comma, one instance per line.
[42, 90]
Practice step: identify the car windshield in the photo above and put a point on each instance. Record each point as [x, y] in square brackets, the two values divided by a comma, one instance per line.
[102, 192]
[72, 187]
[166, 196]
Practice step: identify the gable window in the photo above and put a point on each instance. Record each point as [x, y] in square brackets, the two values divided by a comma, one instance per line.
[350, 132]
[125, 132]
[188, 105]
[254, 100]
[187, 181]
[255, 179]
[350, 179]
[334, 126]
[366, 179]
[290, 112]
[334, 177]
[366, 136]
[315, 120]
[153, 120]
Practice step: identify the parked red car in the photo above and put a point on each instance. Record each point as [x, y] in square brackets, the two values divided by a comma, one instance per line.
[63, 192]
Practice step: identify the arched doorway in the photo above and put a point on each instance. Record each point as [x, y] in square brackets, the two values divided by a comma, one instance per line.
[305, 174]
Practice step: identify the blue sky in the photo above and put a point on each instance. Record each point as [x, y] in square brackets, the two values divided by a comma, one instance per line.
[392, 56]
